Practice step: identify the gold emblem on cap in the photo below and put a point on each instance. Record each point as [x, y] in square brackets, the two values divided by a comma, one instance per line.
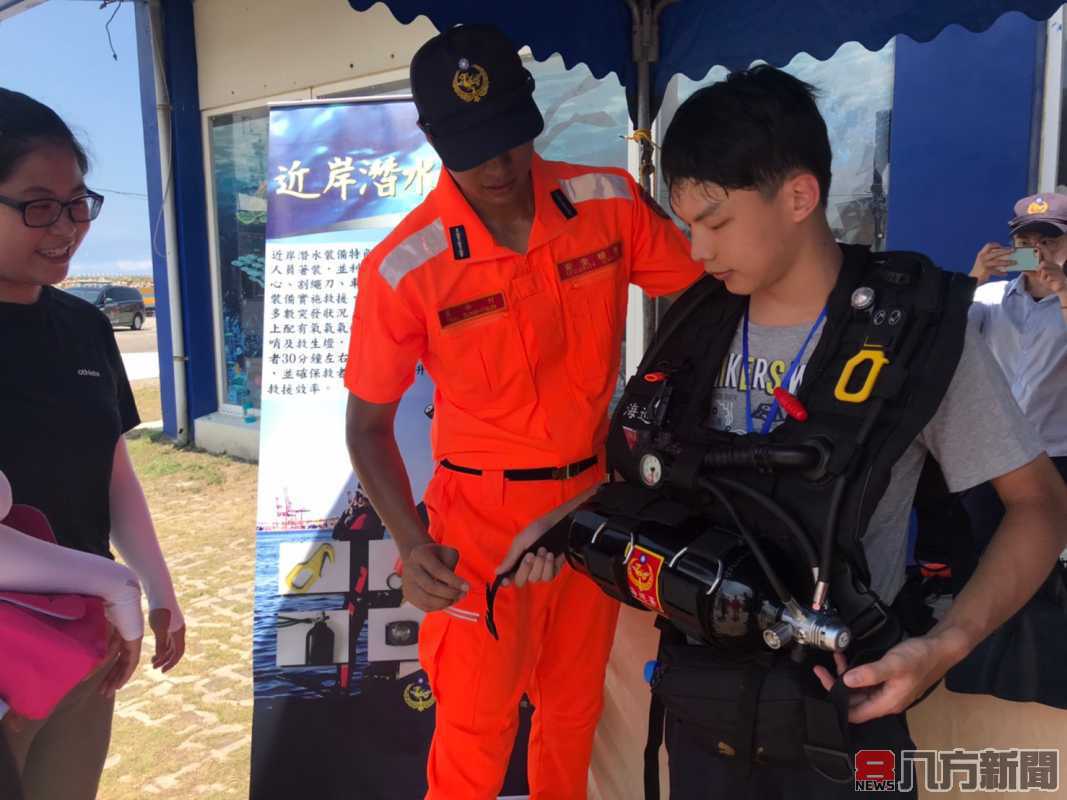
[471, 82]
[1037, 206]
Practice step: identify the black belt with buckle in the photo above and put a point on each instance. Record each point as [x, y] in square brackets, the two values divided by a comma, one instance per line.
[535, 474]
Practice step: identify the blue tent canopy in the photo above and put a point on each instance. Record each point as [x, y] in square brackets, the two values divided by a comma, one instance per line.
[696, 35]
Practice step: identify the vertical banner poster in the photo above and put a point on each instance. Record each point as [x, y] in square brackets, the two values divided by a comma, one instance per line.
[342, 708]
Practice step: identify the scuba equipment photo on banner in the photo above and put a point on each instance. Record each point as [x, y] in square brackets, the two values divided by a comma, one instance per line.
[318, 651]
[751, 543]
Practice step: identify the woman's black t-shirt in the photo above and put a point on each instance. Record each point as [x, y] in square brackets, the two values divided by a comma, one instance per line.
[64, 402]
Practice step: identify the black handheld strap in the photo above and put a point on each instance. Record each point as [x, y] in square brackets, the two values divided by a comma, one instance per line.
[657, 717]
[827, 742]
[554, 540]
[657, 713]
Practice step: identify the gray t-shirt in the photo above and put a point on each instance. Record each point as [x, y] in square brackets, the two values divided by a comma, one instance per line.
[1028, 338]
[978, 432]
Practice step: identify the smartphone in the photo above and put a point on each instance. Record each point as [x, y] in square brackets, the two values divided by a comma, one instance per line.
[1026, 258]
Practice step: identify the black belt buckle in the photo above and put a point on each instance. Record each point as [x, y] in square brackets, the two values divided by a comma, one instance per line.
[534, 474]
[572, 470]
[564, 473]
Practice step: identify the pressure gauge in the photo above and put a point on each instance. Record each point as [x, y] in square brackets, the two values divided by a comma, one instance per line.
[651, 469]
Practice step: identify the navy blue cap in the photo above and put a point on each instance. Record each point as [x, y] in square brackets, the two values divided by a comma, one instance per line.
[474, 96]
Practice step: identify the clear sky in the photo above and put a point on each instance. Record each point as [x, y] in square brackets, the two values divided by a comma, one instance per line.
[58, 53]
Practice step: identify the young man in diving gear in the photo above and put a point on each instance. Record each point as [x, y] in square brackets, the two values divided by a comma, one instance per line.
[794, 320]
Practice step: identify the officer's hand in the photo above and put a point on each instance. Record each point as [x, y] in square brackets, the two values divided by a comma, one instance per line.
[892, 683]
[429, 578]
[992, 260]
[541, 568]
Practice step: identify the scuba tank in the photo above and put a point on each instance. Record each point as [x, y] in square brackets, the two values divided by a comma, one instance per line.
[704, 578]
[318, 645]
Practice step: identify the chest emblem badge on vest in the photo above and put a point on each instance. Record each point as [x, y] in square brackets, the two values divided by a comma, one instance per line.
[471, 82]
[642, 574]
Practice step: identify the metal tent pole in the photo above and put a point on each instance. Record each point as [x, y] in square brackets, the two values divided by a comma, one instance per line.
[645, 46]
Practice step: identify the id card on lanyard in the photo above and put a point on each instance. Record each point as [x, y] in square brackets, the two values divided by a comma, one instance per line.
[769, 421]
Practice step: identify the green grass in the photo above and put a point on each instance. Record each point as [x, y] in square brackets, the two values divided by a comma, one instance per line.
[148, 399]
[154, 456]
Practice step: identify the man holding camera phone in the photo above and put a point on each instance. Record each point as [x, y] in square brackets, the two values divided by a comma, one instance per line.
[1024, 320]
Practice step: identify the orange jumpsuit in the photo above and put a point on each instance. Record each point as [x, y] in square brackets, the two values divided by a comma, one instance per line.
[524, 350]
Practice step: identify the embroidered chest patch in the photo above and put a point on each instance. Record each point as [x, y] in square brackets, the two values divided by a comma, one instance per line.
[472, 309]
[583, 265]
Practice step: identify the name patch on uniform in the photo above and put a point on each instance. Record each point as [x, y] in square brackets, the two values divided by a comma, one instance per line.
[576, 267]
[472, 309]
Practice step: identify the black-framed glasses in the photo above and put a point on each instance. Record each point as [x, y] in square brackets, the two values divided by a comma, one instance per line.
[45, 213]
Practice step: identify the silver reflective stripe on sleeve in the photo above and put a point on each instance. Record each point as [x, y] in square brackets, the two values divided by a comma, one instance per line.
[466, 616]
[413, 252]
[596, 186]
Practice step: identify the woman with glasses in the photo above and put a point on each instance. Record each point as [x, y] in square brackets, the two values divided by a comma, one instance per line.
[65, 404]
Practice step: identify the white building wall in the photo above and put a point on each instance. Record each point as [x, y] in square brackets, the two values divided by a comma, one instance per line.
[252, 49]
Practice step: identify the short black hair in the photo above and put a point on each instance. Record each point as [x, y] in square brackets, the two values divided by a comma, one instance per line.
[25, 125]
[749, 132]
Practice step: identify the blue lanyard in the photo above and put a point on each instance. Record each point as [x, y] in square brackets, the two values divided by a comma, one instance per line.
[785, 380]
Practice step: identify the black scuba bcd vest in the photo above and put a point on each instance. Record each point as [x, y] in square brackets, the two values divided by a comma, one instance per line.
[893, 336]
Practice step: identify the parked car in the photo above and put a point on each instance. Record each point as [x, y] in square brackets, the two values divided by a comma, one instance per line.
[123, 305]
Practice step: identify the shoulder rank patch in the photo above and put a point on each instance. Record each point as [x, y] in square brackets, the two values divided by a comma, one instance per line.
[565, 206]
[460, 247]
[472, 309]
[576, 267]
